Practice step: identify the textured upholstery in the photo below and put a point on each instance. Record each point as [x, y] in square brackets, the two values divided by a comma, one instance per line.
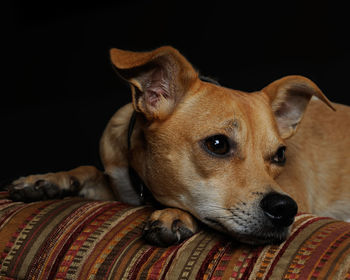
[79, 239]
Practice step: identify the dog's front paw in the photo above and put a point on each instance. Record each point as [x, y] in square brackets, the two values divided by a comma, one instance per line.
[169, 226]
[41, 187]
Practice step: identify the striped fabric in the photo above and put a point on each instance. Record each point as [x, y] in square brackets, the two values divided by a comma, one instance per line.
[79, 239]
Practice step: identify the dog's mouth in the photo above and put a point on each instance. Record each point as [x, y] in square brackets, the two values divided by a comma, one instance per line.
[258, 233]
[266, 221]
[266, 236]
[254, 228]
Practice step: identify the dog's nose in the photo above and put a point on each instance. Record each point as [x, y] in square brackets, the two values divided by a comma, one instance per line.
[280, 209]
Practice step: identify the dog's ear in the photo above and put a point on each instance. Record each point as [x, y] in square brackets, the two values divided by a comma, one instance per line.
[159, 79]
[289, 98]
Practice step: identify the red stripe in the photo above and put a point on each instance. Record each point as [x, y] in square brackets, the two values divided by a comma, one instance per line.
[224, 260]
[134, 216]
[209, 259]
[256, 253]
[68, 242]
[73, 239]
[4, 194]
[286, 245]
[5, 201]
[7, 278]
[118, 226]
[339, 255]
[142, 260]
[11, 212]
[20, 228]
[158, 265]
[112, 263]
[172, 259]
[320, 250]
[35, 232]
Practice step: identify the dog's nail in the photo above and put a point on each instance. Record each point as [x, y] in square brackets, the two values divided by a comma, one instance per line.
[146, 227]
[38, 184]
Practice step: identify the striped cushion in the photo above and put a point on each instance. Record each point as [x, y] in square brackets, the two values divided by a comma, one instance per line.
[79, 239]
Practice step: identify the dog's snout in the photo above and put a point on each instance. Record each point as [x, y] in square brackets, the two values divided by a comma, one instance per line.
[280, 209]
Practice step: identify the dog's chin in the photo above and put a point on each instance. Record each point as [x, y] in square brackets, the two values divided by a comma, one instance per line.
[264, 238]
[264, 234]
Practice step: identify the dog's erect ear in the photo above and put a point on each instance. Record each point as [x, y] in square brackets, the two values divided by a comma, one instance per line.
[289, 98]
[158, 79]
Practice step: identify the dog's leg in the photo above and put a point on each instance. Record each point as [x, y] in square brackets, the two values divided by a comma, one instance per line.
[169, 226]
[84, 181]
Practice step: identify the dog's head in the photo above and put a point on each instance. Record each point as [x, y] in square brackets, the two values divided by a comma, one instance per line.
[213, 151]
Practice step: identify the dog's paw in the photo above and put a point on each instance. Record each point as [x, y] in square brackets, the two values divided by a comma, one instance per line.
[169, 226]
[41, 187]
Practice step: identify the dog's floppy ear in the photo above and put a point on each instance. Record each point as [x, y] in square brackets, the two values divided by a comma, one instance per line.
[158, 79]
[289, 98]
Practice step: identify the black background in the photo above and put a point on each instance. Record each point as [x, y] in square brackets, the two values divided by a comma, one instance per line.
[64, 90]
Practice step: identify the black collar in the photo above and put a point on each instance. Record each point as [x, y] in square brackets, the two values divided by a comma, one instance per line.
[131, 128]
[136, 181]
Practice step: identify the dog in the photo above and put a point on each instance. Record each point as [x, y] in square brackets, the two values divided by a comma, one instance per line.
[241, 163]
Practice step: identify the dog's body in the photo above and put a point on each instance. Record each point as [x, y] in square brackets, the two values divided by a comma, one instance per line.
[215, 154]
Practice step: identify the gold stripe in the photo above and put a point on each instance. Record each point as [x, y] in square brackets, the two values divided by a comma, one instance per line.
[123, 260]
[18, 220]
[284, 262]
[74, 221]
[92, 243]
[191, 255]
[18, 205]
[46, 231]
[133, 261]
[261, 269]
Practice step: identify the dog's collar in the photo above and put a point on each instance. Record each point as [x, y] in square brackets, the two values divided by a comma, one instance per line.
[136, 181]
[131, 128]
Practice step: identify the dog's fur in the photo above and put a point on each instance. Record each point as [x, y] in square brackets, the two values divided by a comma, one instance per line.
[170, 151]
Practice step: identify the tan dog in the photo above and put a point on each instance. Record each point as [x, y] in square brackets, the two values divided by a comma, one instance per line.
[215, 154]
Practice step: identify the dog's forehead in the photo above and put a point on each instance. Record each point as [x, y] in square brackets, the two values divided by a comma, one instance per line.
[226, 107]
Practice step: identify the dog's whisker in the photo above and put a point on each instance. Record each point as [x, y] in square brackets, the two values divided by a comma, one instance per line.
[235, 213]
[222, 217]
[218, 207]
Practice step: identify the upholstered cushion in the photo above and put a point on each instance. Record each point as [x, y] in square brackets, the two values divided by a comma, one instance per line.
[79, 239]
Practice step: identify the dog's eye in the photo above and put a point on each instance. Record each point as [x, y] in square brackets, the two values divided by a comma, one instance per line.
[280, 156]
[217, 145]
